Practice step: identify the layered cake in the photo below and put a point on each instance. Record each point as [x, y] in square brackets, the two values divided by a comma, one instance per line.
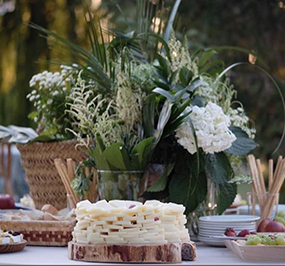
[129, 222]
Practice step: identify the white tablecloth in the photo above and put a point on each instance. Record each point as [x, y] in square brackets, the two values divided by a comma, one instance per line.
[58, 256]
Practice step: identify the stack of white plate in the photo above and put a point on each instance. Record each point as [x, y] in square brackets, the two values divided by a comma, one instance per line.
[211, 227]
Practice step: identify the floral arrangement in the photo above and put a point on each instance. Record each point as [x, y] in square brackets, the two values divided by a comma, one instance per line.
[49, 96]
[143, 100]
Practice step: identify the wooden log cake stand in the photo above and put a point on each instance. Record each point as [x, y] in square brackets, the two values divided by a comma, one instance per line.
[140, 253]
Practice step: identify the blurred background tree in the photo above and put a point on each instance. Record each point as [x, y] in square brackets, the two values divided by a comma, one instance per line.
[256, 25]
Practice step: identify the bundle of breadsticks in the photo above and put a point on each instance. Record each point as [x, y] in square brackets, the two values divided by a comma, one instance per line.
[67, 174]
[266, 199]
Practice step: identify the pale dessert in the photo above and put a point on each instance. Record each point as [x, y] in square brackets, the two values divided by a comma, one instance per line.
[10, 237]
[129, 222]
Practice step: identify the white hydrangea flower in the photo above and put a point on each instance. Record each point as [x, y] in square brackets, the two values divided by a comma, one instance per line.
[211, 128]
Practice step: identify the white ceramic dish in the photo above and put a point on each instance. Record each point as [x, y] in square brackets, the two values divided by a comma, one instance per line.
[222, 230]
[19, 205]
[211, 241]
[222, 227]
[229, 219]
[223, 237]
[216, 233]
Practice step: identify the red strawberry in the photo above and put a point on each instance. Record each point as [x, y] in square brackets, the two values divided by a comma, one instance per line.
[243, 233]
[230, 232]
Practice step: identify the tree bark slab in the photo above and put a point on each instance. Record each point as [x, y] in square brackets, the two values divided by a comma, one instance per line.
[139, 253]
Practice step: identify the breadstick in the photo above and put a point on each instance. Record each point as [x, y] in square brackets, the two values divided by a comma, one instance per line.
[270, 176]
[70, 168]
[277, 184]
[255, 180]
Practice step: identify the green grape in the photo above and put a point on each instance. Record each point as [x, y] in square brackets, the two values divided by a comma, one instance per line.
[260, 234]
[263, 241]
[272, 242]
[280, 240]
[281, 214]
[267, 240]
[253, 240]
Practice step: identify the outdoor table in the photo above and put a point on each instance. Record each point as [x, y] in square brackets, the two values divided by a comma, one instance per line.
[32, 255]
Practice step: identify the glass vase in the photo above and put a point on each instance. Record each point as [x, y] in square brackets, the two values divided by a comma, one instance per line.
[120, 185]
[207, 208]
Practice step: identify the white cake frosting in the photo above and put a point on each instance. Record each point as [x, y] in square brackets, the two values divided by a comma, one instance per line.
[129, 222]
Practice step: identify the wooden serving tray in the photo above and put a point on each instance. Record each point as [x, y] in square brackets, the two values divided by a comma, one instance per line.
[257, 253]
[8, 248]
[138, 253]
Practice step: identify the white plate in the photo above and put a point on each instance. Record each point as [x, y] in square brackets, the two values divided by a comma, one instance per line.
[223, 227]
[19, 205]
[223, 237]
[211, 241]
[217, 226]
[221, 232]
[218, 219]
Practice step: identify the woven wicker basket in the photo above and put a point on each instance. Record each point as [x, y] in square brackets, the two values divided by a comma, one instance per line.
[42, 233]
[42, 177]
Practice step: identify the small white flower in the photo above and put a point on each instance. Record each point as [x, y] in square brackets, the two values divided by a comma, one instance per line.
[32, 98]
[49, 101]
